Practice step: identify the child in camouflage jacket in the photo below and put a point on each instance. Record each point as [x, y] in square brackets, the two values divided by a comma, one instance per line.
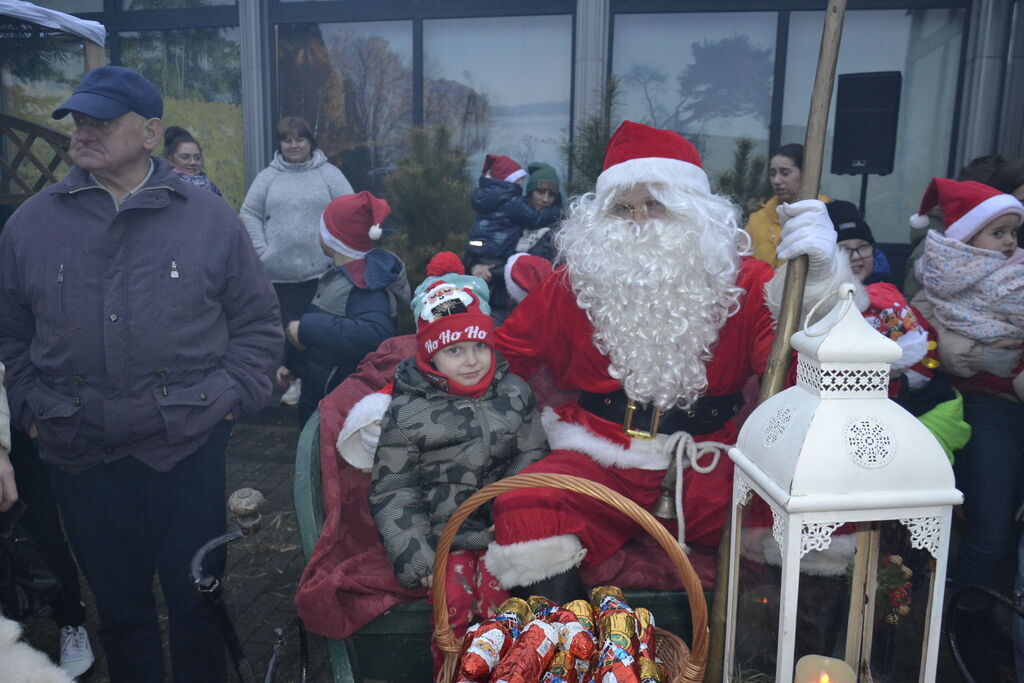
[458, 421]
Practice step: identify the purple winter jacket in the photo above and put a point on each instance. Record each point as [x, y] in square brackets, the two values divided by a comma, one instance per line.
[132, 331]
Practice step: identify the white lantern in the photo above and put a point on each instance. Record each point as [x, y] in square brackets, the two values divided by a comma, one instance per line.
[831, 455]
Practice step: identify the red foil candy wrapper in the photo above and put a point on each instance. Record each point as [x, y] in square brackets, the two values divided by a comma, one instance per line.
[562, 669]
[531, 654]
[645, 632]
[542, 607]
[619, 648]
[486, 648]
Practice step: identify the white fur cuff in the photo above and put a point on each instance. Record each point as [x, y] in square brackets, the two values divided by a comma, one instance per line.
[526, 563]
[357, 442]
[642, 454]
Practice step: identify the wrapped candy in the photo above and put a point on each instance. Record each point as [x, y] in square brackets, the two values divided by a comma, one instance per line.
[598, 593]
[645, 632]
[562, 669]
[617, 662]
[573, 637]
[584, 613]
[542, 607]
[529, 656]
[491, 640]
[652, 671]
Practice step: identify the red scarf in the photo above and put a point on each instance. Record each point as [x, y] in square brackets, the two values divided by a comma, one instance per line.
[446, 383]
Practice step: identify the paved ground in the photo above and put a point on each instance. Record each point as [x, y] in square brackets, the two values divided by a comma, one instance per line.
[262, 571]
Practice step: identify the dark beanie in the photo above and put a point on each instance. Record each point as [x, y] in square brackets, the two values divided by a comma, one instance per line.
[542, 177]
[848, 223]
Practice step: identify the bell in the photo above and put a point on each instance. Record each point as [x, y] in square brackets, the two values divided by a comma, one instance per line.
[665, 506]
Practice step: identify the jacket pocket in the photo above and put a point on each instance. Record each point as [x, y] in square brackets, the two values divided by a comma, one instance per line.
[63, 291]
[191, 411]
[58, 416]
[176, 284]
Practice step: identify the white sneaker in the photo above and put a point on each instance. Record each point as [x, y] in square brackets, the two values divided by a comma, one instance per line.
[76, 656]
[291, 396]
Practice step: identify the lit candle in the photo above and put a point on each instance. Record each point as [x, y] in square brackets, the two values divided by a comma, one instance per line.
[820, 669]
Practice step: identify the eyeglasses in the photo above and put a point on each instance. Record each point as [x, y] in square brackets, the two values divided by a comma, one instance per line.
[863, 251]
[651, 208]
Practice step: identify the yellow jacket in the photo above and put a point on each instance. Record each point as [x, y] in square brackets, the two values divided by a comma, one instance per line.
[766, 232]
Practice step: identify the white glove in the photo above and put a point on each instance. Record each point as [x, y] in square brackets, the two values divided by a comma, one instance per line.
[807, 229]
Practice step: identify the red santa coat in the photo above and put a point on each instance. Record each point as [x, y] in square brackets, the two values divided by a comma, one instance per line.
[549, 328]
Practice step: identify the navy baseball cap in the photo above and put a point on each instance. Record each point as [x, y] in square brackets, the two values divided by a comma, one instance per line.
[111, 91]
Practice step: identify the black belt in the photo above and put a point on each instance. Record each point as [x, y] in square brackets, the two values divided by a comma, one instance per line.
[708, 414]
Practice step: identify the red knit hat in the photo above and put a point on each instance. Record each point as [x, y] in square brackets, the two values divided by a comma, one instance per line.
[351, 223]
[500, 167]
[967, 206]
[639, 154]
[523, 272]
[447, 310]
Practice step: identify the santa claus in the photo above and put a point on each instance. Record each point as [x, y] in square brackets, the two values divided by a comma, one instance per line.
[658, 319]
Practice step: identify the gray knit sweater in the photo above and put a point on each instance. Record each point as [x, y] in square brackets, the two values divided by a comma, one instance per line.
[282, 212]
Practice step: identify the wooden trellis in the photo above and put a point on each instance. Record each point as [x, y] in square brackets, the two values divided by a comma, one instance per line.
[27, 167]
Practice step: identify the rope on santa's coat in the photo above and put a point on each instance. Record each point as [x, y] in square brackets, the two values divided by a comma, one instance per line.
[686, 452]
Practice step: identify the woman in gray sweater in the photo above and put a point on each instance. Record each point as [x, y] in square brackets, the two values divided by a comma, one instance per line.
[282, 214]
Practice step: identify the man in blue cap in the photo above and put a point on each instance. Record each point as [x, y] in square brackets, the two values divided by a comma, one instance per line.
[136, 323]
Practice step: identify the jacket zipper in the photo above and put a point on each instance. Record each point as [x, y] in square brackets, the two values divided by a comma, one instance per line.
[485, 428]
[60, 287]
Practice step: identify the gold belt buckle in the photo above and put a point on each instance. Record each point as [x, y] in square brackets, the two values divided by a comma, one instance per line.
[627, 423]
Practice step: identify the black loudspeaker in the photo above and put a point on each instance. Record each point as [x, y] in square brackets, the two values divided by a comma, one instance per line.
[867, 111]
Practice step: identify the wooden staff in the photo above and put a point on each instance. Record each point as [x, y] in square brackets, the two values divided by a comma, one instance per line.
[777, 368]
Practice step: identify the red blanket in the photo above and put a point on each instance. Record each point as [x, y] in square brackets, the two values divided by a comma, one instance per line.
[349, 581]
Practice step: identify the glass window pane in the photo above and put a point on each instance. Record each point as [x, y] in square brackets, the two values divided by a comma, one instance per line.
[76, 6]
[353, 84]
[707, 76]
[501, 85]
[199, 74]
[171, 4]
[924, 45]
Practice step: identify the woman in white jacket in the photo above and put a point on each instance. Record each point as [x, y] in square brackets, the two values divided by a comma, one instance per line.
[282, 214]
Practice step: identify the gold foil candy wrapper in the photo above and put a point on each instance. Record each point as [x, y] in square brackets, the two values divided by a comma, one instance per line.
[584, 613]
[519, 607]
[652, 671]
[645, 632]
[597, 593]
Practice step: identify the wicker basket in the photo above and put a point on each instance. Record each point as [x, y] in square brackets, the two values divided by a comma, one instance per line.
[685, 665]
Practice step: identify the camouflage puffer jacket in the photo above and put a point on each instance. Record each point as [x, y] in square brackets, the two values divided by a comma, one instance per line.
[435, 451]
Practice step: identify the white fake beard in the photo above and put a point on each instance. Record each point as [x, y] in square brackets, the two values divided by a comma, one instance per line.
[657, 294]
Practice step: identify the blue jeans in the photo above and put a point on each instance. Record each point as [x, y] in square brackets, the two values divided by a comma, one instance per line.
[126, 521]
[989, 471]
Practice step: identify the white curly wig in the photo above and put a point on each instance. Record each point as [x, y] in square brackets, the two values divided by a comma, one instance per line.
[657, 293]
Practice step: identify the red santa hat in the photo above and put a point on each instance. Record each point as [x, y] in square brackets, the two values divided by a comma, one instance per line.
[500, 167]
[639, 154]
[967, 206]
[351, 223]
[523, 272]
[447, 310]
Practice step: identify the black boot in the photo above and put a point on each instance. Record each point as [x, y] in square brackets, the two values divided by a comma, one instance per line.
[560, 588]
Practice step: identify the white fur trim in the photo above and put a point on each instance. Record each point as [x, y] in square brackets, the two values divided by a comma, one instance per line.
[336, 244]
[643, 454]
[352, 448]
[671, 172]
[376, 231]
[522, 564]
[919, 221]
[915, 347]
[832, 561]
[514, 290]
[514, 176]
[984, 212]
[21, 663]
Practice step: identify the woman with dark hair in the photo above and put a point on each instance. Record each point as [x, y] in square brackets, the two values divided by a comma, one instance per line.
[282, 211]
[784, 172]
[186, 158]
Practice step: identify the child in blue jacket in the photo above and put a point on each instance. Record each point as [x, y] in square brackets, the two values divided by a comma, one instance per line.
[356, 303]
[502, 214]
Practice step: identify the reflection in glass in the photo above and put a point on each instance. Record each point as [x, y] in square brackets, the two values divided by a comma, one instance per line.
[707, 76]
[171, 4]
[501, 85]
[924, 45]
[198, 72]
[353, 84]
[71, 5]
